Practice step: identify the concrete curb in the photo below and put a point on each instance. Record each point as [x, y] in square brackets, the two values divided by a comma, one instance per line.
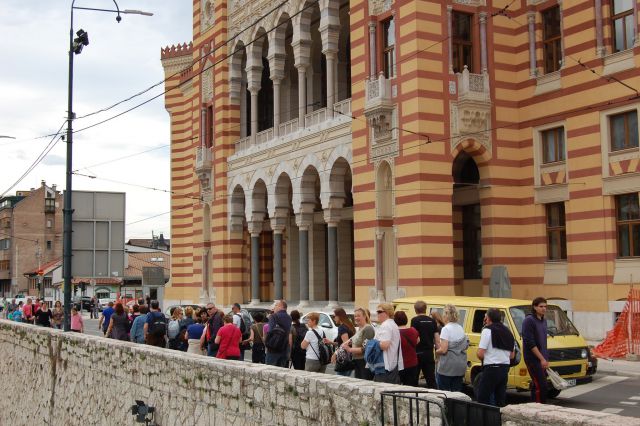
[612, 369]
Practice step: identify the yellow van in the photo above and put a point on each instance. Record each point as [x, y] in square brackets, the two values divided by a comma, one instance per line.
[568, 351]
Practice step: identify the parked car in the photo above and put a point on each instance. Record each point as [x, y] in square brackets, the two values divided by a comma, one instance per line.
[86, 303]
[253, 311]
[325, 323]
[103, 303]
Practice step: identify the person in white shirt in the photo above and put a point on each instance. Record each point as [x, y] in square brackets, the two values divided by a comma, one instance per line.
[388, 334]
[495, 350]
[452, 350]
[310, 343]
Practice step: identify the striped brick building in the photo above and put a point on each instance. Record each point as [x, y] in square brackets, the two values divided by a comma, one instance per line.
[350, 151]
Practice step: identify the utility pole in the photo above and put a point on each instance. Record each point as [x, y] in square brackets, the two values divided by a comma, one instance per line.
[39, 257]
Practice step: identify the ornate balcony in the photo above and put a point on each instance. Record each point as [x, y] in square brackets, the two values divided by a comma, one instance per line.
[203, 159]
[471, 112]
[378, 108]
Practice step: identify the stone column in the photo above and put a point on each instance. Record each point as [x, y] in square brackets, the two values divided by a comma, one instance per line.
[243, 109]
[332, 217]
[301, 45]
[276, 58]
[483, 42]
[255, 228]
[533, 70]
[450, 36]
[304, 222]
[254, 82]
[254, 113]
[372, 50]
[562, 34]
[276, 106]
[278, 224]
[331, 59]
[380, 264]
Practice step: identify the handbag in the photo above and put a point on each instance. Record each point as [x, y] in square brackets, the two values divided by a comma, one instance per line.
[344, 361]
[558, 382]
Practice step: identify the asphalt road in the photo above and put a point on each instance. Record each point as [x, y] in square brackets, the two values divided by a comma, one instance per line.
[612, 394]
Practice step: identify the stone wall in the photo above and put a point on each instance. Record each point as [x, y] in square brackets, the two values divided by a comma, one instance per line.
[51, 377]
[72, 379]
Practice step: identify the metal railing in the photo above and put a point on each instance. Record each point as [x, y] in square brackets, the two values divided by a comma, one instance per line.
[414, 408]
[409, 408]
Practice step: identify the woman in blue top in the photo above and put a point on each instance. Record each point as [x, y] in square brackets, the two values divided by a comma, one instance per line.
[194, 333]
[345, 331]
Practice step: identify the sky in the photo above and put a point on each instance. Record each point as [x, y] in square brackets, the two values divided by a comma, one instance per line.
[121, 60]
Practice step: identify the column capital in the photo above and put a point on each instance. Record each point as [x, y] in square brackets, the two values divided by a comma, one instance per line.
[379, 234]
[301, 53]
[332, 217]
[304, 220]
[255, 226]
[278, 224]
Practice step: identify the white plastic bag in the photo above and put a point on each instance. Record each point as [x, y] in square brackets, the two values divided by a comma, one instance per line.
[558, 382]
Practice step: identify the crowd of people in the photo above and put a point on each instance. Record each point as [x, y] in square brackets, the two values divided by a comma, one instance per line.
[394, 351]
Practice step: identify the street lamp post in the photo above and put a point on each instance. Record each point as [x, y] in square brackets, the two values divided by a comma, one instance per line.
[75, 47]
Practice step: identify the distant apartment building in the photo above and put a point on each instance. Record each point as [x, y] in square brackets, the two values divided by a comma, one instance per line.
[30, 236]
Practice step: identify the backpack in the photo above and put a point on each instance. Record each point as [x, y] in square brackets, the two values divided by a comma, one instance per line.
[174, 329]
[300, 330]
[245, 325]
[277, 339]
[325, 350]
[158, 325]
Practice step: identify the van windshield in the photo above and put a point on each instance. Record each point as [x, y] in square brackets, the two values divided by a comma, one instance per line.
[558, 324]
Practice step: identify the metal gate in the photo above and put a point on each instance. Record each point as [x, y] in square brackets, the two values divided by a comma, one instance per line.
[414, 408]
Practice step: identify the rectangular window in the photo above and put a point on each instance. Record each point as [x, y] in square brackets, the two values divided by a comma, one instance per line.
[49, 223]
[49, 245]
[622, 25]
[552, 39]
[5, 244]
[553, 145]
[4, 265]
[556, 232]
[624, 130]
[628, 225]
[389, 44]
[461, 41]
[209, 129]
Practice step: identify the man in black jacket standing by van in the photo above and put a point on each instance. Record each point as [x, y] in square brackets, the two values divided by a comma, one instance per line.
[536, 356]
[428, 332]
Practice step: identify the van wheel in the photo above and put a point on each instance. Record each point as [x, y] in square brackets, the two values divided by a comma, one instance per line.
[476, 384]
[552, 393]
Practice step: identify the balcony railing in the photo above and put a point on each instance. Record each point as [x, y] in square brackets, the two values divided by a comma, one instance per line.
[377, 91]
[342, 109]
[203, 159]
[49, 205]
[473, 86]
[316, 117]
[288, 127]
[264, 136]
[340, 112]
[243, 144]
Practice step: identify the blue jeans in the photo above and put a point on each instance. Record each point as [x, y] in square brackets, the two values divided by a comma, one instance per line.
[450, 383]
[494, 382]
[279, 359]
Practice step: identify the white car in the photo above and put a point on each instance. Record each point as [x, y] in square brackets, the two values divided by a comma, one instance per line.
[325, 323]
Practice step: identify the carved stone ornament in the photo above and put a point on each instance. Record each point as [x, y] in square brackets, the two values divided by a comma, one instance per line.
[243, 13]
[376, 7]
[207, 84]
[208, 16]
[471, 2]
[380, 123]
[471, 119]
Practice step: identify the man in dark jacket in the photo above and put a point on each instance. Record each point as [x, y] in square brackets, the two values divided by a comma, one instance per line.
[282, 318]
[536, 356]
[428, 332]
[214, 324]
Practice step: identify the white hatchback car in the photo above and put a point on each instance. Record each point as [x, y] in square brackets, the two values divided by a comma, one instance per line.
[326, 324]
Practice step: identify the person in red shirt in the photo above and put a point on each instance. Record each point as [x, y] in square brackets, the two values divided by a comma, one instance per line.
[228, 339]
[409, 339]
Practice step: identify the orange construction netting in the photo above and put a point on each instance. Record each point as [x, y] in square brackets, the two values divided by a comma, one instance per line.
[625, 337]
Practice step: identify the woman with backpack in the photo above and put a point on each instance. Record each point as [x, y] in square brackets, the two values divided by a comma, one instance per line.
[118, 324]
[298, 333]
[257, 339]
[311, 343]
[345, 331]
[173, 330]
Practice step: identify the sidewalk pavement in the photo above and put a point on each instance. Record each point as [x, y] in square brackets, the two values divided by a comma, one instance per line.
[619, 367]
